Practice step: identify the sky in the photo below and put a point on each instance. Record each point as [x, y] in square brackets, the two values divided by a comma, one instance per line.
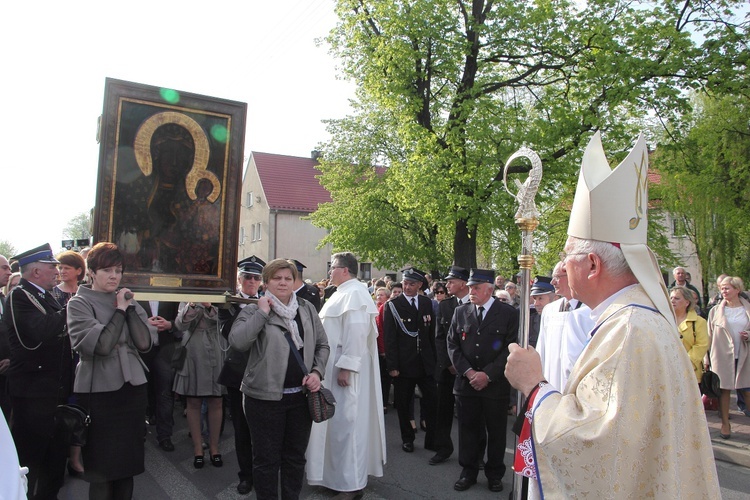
[56, 56]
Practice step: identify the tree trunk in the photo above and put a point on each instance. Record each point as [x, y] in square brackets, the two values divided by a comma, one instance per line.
[465, 245]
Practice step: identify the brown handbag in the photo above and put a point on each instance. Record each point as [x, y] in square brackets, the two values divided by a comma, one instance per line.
[322, 404]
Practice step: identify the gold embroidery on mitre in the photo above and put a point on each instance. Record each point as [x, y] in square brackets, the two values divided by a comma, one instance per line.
[640, 189]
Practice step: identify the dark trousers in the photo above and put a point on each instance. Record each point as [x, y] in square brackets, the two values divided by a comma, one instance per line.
[403, 391]
[242, 442]
[160, 395]
[444, 413]
[476, 414]
[5, 398]
[39, 448]
[119, 489]
[280, 431]
[385, 380]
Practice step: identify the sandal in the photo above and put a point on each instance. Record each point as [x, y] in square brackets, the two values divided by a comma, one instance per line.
[216, 460]
[198, 461]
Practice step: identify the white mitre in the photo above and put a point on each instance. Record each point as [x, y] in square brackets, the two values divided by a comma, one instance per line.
[612, 206]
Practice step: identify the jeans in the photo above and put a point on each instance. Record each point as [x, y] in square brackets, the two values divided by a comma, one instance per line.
[279, 431]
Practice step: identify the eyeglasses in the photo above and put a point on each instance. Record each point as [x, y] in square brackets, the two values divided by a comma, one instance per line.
[441, 292]
[563, 256]
[253, 277]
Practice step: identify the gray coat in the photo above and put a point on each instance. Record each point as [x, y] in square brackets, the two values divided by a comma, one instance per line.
[263, 336]
[88, 313]
[205, 357]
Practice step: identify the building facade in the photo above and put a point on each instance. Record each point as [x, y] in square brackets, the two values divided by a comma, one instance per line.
[278, 192]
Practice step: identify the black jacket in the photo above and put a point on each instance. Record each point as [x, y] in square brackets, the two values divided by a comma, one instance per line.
[235, 361]
[482, 348]
[46, 370]
[445, 315]
[311, 294]
[411, 356]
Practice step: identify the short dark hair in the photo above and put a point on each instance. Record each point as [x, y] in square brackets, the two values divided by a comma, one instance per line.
[348, 260]
[104, 255]
[74, 260]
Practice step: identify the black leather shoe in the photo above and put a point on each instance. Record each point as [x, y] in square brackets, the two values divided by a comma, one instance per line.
[408, 447]
[166, 445]
[464, 484]
[244, 487]
[439, 458]
[495, 485]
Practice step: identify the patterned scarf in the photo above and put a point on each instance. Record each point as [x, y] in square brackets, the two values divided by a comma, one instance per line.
[287, 313]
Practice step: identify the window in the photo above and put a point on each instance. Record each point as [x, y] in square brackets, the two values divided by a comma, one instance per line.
[249, 199]
[242, 235]
[365, 271]
[259, 233]
[678, 227]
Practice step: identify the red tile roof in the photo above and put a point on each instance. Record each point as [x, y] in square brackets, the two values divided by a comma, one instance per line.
[289, 182]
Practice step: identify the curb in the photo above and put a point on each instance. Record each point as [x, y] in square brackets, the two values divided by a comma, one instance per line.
[738, 454]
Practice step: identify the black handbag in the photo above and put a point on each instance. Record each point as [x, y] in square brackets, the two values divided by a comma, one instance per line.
[322, 404]
[710, 384]
[72, 424]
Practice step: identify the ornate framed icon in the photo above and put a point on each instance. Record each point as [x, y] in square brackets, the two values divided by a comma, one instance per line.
[168, 190]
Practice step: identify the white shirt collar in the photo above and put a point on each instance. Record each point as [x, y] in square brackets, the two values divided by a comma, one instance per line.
[487, 304]
[42, 290]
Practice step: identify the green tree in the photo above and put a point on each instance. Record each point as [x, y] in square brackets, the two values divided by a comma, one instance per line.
[705, 161]
[7, 249]
[447, 90]
[79, 227]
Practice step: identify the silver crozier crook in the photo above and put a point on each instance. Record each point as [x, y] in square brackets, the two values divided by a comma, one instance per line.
[527, 220]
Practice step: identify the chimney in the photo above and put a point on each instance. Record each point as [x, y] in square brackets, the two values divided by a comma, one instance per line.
[315, 154]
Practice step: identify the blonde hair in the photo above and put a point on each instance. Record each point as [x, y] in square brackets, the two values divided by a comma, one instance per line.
[687, 294]
[735, 281]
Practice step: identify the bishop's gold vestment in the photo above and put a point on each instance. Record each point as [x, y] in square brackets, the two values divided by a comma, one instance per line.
[630, 422]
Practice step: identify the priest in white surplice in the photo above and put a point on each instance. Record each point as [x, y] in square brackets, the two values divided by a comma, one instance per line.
[563, 332]
[629, 422]
[344, 450]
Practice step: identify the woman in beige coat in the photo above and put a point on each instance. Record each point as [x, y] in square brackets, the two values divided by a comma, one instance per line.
[728, 326]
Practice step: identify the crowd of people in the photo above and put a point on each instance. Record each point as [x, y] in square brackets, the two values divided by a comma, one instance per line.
[611, 390]
[377, 345]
